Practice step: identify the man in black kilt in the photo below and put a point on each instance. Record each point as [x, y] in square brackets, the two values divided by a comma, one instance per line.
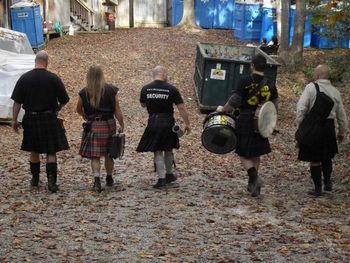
[42, 94]
[252, 91]
[322, 151]
[158, 137]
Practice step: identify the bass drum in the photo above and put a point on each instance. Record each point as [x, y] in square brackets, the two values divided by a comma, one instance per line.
[219, 135]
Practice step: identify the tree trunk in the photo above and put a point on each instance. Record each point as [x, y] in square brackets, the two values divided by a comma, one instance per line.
[292, 56]
[188, 18]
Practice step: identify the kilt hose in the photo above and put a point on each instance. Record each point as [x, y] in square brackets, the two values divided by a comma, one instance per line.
[158, 135]
[249, 142]
[43, 133]
[97, 141]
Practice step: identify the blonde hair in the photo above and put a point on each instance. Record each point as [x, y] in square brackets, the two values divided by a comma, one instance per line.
[95, 83]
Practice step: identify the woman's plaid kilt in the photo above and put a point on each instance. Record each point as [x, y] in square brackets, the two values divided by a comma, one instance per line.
[249, 142]
[158, 135]
[97, 141]
[43, 133]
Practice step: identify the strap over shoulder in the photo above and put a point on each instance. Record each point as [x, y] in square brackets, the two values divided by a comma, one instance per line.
[317, 87]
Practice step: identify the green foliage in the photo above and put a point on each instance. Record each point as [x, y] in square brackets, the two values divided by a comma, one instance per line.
[338, 61]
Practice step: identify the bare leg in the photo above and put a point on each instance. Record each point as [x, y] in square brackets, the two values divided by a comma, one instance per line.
[51, 168]
[96, 168]
[160, 168]
[109, 165]
[34, 157]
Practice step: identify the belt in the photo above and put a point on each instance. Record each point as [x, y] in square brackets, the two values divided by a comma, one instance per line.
[101, 118]
[39, 112]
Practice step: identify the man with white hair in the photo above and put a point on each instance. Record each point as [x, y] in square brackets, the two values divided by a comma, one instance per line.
[159, 97]
[41, 94]
[321, 153]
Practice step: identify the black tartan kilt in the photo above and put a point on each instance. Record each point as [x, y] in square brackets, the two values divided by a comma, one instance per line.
[43, 133]
[158, 135]
[324, 149]
[249, 142]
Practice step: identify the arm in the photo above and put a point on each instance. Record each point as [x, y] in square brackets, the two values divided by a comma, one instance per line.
[80, 109]
[342, 120]
[119, 114]
[15, 111]
[303, 105]
[235, 101]
[184, 116]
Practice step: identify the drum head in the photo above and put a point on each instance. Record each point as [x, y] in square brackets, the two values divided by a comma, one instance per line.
[267, 119]
[219, 139]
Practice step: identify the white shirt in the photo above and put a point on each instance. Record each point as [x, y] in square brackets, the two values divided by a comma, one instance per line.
[308, 98]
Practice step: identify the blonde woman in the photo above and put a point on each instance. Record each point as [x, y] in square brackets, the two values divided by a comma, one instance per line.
[98, 104]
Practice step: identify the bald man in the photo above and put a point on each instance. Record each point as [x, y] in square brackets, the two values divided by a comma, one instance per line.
[159, 97]
[41, 94]
[320, 154]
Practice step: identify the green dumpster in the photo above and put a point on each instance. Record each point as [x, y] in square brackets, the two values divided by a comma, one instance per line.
[218, 69]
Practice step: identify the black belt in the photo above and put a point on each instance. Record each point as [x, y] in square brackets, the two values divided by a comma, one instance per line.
[39, 112]
[101, 118]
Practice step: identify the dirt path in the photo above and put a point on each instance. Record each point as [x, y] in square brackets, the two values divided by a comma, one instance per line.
[207, 216]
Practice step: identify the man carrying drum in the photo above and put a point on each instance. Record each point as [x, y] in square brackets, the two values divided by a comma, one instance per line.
[252, 92]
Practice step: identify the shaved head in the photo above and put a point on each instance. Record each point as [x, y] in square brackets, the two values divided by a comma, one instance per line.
[160, 73]
[322, 72]
[41, 59]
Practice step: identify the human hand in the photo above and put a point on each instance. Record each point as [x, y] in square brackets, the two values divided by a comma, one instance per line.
[187, 129]
[219, 108]
[340, 138]
[15, 125]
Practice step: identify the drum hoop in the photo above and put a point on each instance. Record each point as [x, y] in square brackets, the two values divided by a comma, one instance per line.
[260, 110]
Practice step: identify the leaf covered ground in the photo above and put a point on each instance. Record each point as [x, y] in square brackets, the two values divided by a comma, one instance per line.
[207, 216]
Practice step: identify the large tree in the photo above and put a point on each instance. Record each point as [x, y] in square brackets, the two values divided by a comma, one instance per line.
[188, 17]
[292, 55]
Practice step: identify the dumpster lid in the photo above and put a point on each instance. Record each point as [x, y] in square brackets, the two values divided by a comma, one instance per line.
[23, 4]
[241, 54]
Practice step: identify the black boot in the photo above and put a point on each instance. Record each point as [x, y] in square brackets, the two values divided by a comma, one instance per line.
[51, 170]
[327, 172]
[254, 182]
[170, 178]
[97, 185]
[317, 179]
[109, 180]
[35, 171]
[160, 183]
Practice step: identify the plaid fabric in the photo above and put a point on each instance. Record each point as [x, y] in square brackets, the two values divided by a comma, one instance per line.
[43, 133]
[158, 135]
[249, 142]
[97, 142]
[325, 150]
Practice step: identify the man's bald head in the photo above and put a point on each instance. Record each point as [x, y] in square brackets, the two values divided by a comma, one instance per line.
[159, 73]
[41, 59]
[322, 72]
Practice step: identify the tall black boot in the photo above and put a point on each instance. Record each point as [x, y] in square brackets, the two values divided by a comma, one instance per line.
[254, 182]
[51, 171]
[327, 169]
[317, 178]
[35, 171]
[97, 185]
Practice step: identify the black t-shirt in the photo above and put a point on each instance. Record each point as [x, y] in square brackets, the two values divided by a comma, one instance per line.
[107, 102]
[159, 97]
[248, 89]
[40, 90]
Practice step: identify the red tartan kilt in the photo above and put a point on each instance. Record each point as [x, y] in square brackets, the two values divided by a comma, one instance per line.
[97, 142]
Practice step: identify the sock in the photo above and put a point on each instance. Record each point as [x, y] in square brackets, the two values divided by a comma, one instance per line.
[35, 168]
[159, 161]
[252, 173]
[327, 169]
[96, 174]
[169, 161]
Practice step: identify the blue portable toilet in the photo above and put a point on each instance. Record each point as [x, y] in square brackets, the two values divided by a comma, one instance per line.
[248, 20]
[308, 27]
[177, 11]
[269, 20]
[204, 12]
[319, 41]
[26, 18]
[224, 13]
